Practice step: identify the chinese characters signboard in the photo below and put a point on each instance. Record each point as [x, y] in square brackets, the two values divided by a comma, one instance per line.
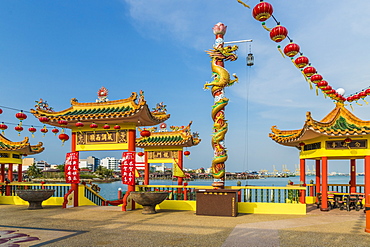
[128, 168]
[94, 137]
[71, 171]
[342, 145]
[162, 154]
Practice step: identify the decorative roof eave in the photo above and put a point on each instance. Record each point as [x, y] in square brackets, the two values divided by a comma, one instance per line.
[22, 147]
[179, 138]
[313, 128]
[137, 113]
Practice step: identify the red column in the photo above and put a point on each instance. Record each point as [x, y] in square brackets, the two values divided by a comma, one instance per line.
[352, 182]
[147, 168]
[131, 148]
[74, 186]
[367, 192]
[10, 172]
[2, 173]
[181, 165]
[324, 198]
[302, 179]
[20, 173]
[318, 180]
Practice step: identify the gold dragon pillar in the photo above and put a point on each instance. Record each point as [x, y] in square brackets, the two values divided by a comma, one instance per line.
[221, 79]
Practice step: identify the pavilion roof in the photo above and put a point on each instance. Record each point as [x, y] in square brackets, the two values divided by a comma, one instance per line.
[114, 112]
[178, 136]
[339, 122]
[23, 147]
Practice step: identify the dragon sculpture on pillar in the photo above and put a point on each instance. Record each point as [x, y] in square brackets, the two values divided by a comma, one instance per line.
[221, 79]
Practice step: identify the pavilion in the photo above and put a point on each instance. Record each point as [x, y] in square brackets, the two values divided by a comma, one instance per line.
[11, 154]
[338, 136]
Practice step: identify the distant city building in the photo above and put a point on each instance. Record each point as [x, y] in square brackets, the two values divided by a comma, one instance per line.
[90, 162]
[42, 164]
[27, 162]
[110, 163]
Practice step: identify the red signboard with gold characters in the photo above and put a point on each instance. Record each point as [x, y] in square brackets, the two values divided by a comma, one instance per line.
[128, 168]
[71, 170]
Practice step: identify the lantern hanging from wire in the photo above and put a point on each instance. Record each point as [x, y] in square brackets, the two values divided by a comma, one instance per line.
[55, 131]
[262, 11]
[44, 130]
[32, 130]
[19, 129]
[63, 137]
[3, 127]
[21, 116]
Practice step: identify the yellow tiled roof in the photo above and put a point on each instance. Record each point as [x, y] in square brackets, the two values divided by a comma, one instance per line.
[24, 146]
[116, 111]
[339, 122]
[181, 137]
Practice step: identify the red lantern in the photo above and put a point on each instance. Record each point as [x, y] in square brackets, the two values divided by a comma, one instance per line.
[145, 133]
[55, 131]
[322, 84]
[309, 71]
[278, 33]
[367, 91]
[301, 144]
[93, 126]
[301, 61]
[349, 99]
[3, 127]
[330, 93]
[355, 97]
[262, 11]
[62, 122]
[291, 49]
[63, 138]
[44, 119]
[117, 127]
[21, 116]
[19, 129]
[44, 130]
[106, 127]
[1, 111]
[327, 89]
[362, 95]
[141, 154]
[32, 130]
[79, 125]
[316, 78]
[187, 153]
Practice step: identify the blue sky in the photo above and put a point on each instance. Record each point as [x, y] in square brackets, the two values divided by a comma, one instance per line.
[58, 50]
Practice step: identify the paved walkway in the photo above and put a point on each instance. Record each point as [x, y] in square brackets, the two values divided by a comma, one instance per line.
[109, 226]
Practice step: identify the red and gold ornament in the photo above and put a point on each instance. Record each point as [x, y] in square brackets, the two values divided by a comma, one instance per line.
[3, 127]
[301, 61]
[262, 11]
[278, 33]
[32, 130]
[291, 49]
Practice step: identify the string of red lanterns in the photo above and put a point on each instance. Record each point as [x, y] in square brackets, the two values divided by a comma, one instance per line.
[264, 11]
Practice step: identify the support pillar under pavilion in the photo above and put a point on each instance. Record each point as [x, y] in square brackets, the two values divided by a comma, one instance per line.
[352, 182]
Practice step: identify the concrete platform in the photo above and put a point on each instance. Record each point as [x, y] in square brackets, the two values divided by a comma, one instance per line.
[109, 226]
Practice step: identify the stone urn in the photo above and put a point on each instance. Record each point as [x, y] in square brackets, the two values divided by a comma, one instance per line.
[148, 199]
[35, 197]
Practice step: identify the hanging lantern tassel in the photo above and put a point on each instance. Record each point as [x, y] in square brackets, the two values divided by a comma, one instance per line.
[281, 52]
[351, 107]
[358, 103]
[307, 79]
[266, 28]
[245, 5]
[365, 101]
[291, 59]
[317, 91]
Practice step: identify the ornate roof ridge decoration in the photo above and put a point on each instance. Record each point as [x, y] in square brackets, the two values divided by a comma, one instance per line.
[339, 122]
[23, 146]
[111, 112]
[178, 136]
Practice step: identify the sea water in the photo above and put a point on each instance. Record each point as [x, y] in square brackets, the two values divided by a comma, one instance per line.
[110, 190]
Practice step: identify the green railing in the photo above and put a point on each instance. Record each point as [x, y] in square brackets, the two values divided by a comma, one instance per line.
[9, 189]
[246, 193]
[341, 188]
[94, 196]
